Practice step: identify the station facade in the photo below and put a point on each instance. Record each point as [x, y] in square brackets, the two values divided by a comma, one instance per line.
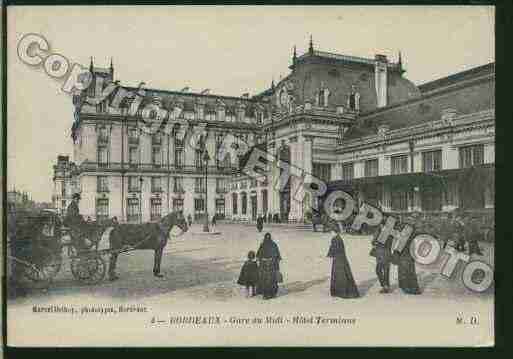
[355, 123]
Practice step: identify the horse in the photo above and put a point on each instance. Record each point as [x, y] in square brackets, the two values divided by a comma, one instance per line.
[152, 236]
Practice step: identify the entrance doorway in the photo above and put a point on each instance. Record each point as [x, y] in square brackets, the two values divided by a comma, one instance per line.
[253, 208]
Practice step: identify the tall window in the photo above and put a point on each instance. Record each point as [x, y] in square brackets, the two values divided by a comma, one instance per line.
[371, 168]
[156, 184]
[399, 164]
[103, 157]
[471, 156]
[179, 153]
[210, 115]
[102, 209]
[156, 139]
[432, 160]
[199, 205]
[155, 209]
[133, 213]
[133, 156]
[244, 200]
[322, 171]
[133, 135]
[348, 171]
[103, 135]
[198, 158]
[177, 204]
[102, 184]
[221, 185]
[199, 185]
[156, 156]
[220, 208]
[399, 199]
[235, 203]
[178, 185]
[230, 114]
[134, 184]
[264, 201]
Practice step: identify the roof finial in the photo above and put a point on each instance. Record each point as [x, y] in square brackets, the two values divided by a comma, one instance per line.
[294, 56]
[111, 67]
[272, 83]
[91, 64]
[310, 49]
[400, 62]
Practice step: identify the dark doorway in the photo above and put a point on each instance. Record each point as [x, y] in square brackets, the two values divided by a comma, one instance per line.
[285, 190]
[253, 208]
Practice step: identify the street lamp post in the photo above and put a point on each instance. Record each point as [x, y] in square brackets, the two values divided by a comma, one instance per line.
[140, 198]
[206, 158]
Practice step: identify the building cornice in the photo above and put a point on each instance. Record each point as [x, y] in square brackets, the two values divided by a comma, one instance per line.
[429, 129]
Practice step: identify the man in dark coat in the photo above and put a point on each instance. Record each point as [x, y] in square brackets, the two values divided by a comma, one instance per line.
[76, 223]
[459, 233]
[383, 254]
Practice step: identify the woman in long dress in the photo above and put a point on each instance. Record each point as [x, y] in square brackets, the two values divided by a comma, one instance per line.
[269, 266]
[342, 281]
[406, 272]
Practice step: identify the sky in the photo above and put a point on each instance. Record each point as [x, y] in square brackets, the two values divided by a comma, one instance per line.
[230, 50]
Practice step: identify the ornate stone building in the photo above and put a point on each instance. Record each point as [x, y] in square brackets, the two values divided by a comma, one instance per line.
[356, 123]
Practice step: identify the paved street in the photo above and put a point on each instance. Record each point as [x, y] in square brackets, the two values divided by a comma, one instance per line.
[200, 279]
[202, 267]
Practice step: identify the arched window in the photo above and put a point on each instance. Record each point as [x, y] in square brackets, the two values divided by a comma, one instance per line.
[234, 203]
[244, 200]
[354, 100]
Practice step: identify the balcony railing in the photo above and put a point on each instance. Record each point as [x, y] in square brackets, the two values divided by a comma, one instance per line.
[221, 190]
[149, 167]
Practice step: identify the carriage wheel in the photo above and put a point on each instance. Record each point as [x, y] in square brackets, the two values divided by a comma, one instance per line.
[45, 264]
[88, 268]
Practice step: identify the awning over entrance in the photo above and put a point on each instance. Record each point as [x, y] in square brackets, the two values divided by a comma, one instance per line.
[484, 173]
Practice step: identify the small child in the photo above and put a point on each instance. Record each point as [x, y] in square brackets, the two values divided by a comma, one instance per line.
[249, 274]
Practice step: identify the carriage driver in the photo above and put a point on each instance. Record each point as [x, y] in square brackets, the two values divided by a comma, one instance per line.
[74, 221]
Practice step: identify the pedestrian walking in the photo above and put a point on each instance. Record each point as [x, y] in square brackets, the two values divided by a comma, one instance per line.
[342, 282]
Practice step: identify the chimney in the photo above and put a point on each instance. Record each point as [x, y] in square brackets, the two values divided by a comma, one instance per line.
[380, 76]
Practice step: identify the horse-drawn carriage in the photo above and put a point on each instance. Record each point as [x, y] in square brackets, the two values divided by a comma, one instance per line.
[38, 245]
[37, 242]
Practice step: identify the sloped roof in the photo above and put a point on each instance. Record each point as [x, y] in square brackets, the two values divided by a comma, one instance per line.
[346, 58]
[470, 97]
[457, 77]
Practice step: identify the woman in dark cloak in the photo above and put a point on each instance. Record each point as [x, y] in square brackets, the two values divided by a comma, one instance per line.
[406, 271]
[342, 281]
[269, 266]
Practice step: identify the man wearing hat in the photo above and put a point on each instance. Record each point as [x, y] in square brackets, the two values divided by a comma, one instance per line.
[74, 220]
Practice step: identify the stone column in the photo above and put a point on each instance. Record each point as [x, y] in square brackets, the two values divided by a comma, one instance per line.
[211, 185]
[301, 162]
[274, 186]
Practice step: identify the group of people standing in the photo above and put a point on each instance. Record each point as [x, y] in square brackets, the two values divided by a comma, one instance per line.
[261, 274]
[386, 256]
